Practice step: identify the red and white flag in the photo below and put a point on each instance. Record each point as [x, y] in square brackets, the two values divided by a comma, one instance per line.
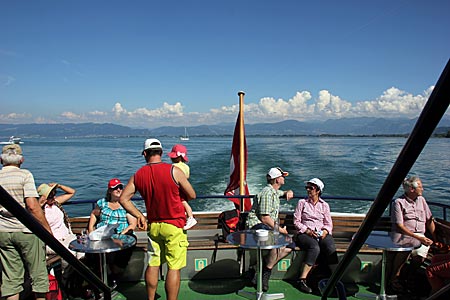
[234, 181]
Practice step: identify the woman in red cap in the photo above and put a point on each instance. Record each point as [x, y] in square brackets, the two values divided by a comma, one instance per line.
[109, 211]
[178, 155]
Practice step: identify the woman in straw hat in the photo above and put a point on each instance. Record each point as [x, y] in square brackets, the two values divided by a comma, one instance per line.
[55, 214]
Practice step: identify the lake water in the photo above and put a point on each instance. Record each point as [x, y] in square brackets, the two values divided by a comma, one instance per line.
[349, 166]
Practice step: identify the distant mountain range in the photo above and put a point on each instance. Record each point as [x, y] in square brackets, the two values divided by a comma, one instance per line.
[346, 126]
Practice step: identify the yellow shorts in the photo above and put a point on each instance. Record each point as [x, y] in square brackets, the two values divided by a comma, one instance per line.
[167, 244]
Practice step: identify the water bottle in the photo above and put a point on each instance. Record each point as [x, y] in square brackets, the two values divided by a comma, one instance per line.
[84, 236]
[319, 234]
[276, 228]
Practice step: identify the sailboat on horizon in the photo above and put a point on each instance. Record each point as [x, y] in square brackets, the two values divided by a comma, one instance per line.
[185, 137]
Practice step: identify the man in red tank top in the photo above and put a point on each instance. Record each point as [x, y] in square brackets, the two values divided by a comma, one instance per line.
[159, 184]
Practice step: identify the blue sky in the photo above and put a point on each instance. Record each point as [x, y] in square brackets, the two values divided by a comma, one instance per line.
[154, 63]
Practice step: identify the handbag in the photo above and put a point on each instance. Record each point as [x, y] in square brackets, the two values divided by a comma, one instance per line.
[54, 292]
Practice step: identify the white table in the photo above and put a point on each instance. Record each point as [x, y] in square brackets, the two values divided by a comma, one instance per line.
[389, 241]
[249, 240]
[116, 243]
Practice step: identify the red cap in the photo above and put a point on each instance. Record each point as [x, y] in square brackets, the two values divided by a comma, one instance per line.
[178, 150]
[113, 183]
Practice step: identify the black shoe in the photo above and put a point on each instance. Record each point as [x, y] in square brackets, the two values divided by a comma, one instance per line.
[254, 279]
[304, 287]
[398, 286]
[265, 279]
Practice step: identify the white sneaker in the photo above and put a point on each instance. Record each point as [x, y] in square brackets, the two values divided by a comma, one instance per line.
[190, 223]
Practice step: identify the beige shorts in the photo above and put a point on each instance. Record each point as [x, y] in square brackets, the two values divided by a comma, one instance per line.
[422, 250]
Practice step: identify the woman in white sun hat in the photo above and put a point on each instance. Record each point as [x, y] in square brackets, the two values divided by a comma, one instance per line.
[312, 220]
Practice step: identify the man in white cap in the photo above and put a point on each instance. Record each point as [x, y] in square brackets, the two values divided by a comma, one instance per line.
[20, 249]
[264, 215]
[160, 184]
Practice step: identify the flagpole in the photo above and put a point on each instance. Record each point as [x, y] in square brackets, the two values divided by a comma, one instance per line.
[241, 148]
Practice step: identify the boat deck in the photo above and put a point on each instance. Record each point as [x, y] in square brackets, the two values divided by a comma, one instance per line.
[220, 279]
[228, 288]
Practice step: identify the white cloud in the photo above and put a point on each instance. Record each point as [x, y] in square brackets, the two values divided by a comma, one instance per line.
[6, 80]
[331, 105]
[98, 113]
[71, 116]
[15, 117]
[118, 110]
[303, 106]
[394, 102]
[300, 107]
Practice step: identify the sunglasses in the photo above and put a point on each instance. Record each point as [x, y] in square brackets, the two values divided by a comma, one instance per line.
[310, 187]
[119, 187]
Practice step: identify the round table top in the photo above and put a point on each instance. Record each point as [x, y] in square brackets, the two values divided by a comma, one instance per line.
[391, 241]
[248, 239]
[115, 243]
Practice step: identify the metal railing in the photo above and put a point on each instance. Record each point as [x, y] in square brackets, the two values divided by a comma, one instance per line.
[34, 226]
[441, 210]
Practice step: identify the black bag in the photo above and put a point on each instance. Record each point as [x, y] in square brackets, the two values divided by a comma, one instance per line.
[229, 222]
[74, 285]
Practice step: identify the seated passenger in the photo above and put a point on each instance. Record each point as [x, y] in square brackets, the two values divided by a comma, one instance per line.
[264, 215]
[314, 226]
[109, 211]
[56, 215]
[410, 216]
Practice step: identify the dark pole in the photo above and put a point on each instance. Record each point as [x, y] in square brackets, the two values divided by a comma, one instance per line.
[440, 292]
[431, 114]
[31, 223]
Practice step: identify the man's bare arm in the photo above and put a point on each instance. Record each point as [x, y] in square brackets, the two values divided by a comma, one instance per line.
[127, 204]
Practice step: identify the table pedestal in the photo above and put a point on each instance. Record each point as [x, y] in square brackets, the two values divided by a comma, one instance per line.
[259, 294]
[382, 295]
[388, 242]
[102, 247]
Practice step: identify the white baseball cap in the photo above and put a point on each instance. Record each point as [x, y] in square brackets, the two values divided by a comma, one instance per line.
[317, 182]
[276, 172]
[152, 144]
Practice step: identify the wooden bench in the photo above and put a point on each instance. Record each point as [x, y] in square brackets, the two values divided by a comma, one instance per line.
[205, 234]
[344, 227]
[202, 236]
[53, 260]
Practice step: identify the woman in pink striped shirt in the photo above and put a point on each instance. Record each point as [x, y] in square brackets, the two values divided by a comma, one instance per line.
[312, 220]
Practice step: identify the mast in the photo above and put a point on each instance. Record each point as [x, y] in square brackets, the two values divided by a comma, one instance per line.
[241, 148]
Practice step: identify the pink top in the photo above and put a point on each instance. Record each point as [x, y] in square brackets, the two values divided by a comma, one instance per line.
[313, 216]
[55, 218]
[413, 214]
